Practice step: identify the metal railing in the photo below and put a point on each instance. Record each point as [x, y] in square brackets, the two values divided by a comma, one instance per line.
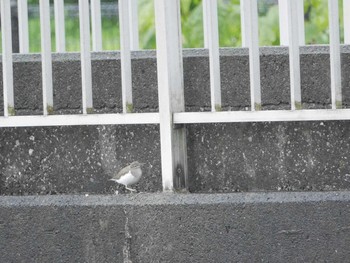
[172, 115]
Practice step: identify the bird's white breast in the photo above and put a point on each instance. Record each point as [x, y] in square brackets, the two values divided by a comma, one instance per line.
[132, 177]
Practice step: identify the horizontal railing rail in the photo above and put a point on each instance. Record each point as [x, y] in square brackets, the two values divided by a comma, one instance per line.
[169, 70]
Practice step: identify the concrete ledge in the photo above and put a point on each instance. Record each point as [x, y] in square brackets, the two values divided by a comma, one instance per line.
[251, 227]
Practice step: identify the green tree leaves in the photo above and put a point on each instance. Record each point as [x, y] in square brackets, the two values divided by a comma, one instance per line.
[316, 25]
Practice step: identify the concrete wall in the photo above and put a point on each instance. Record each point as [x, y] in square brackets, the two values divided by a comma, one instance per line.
[222, 157]
[275, 227]
[306, 226]
[315, 71]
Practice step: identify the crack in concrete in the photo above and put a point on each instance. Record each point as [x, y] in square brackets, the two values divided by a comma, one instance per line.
[127, 243]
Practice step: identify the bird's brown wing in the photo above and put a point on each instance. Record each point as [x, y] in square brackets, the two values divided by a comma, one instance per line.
[123, 171]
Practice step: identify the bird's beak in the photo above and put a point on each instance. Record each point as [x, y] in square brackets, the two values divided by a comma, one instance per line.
[142, 163]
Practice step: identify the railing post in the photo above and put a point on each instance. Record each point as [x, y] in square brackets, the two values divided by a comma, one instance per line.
[294, 56]
[45, 30]
[346, 12]
[84, 20]
[301, 22]
[251, 19]
[283, 20]
[334, 46]
[171, 94]
[244, 23]
[134, 24]
[7, 64]
[96, 25]
[59, 26]
[23, 26]
[125, 55]
[210, 21]
[205, 24]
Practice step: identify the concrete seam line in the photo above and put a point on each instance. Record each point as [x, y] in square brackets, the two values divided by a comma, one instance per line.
[174, 199]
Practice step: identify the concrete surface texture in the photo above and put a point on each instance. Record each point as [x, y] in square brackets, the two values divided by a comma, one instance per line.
[240, 227]
[81, 225]
[281, 156]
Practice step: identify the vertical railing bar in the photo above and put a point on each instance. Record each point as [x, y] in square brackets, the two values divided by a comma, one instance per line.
[254, 55]
[283, 21]
[346, 15]
[170, 94]
[23, 26]
[205, 23]
[244, 23]
[46, 56]
[334, 42]
[96, 25]
[60, 26]
[86, 78]
[125, 56]
[212, 36]
[294, 56]
[301, 22]
[134, 25]
[7, 67]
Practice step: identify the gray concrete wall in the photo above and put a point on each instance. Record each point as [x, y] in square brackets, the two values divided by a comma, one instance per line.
[307, 226]
[281, 156]
[261, 227]
[315, 75]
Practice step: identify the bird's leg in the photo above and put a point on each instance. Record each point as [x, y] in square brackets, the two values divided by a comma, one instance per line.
[132, 190]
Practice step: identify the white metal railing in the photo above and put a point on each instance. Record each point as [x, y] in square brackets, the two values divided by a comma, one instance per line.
[23, 26]
[170, 70]
[59, 25]
[299, 16]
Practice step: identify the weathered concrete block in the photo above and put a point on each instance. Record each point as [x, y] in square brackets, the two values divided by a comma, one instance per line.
[286, 156]
[222, 157]
[61, 233]
[272, 227]
[75, 159]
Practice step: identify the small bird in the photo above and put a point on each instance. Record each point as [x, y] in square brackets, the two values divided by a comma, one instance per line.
[129, 175]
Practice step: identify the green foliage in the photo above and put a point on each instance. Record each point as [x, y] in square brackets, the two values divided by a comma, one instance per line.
[316, 21]
[269, 27]
[191, 23]
[229, 23]
[147, 24]
[110, 34]
[316, 25]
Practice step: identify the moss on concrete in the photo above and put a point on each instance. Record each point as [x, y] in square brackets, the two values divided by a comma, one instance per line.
[129, 108]
[11, 111]
[218, 107]
[298, 105]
